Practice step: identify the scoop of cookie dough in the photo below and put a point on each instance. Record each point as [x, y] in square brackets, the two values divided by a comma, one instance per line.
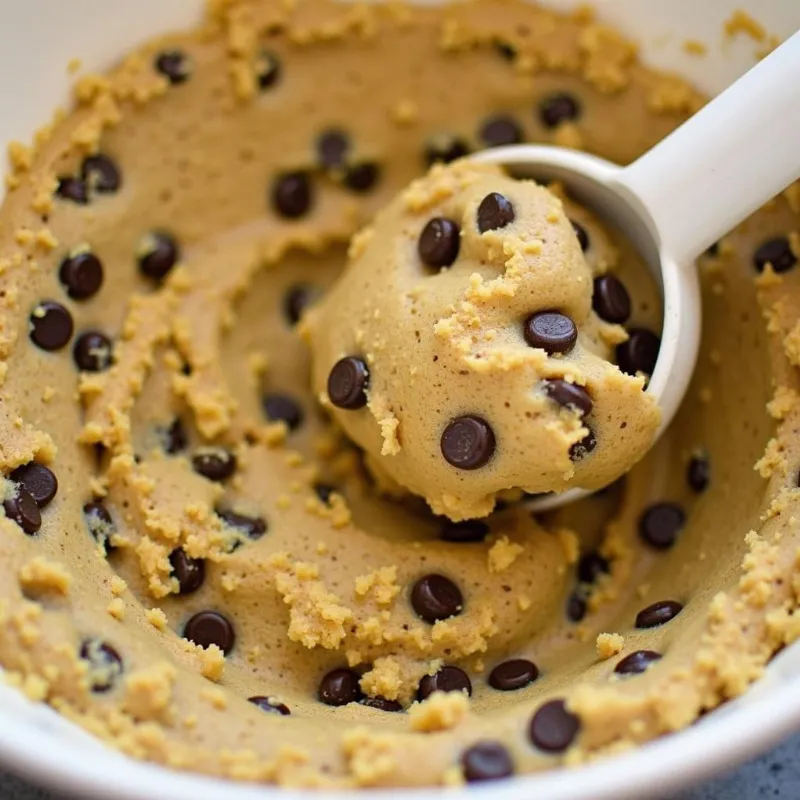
[470, 348]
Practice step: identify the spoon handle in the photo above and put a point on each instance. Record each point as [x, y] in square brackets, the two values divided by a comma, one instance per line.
[731, 157]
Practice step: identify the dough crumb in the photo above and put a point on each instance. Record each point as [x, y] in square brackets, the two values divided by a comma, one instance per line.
[369, 755]
[39, 577]
[212, 662]
[502, 554]
[116, 608]
[741, 22]
[693, 47]
[148, 692]
[441, 711]
[609, 644]
[157, 618]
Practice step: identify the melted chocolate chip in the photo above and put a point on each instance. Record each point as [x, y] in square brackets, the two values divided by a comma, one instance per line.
[340, 687]
[38, 480]
[468, 442]
[495, 211]
[514, 674]
[100, 523]
[486, 761]
[174, 65]
[347, 383]
[660, 524]
[445, 148]
[557, 108]
[100, 173]
[382, 704]
[291, 194]
[361, 176]
[51, 325]
[82, 274]
[295, 301]
[466, 531]
[447, 679]
[73, 189]
[332, 148]
[175, 438]
[501, 130]
[639, 353]
[210, 627]
[270, 705]
[637, 662]
[439, 242]
[576, 607]
[253, 527]
[582, 234]
[569, 395]
[105, 664]
[698, 473]
[190, 572]
[776, 252]
[282, 408]
[658, 614]
[611, 300]
[92, 352]
[553, 728]
[591, 566]
[435, 597]
[214, 463]
[268, 69]
[551, 331]
[22, 508]
[158, 253]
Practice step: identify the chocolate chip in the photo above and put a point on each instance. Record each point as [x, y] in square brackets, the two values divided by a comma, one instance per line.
[514, 674]
[576, 607]
[486, 761]
[466, 531]
[105, 664]
[611, 300]
[324, 491]
[447, 679]
[445, 148]
[468, 442]
[291, 195]
[347, 383]
[175, 438]
[435, 597]
[190, 572]
[495, 211]
[582, 448]
[282, 408]
[253, 527]
[270, 706]
[51, 325]
[340, 687]
[637, 662]
[101, 173]
[100, 523]
[553, 728]
[660, 524]
[174, 65]
[22, 508]
[501, 130]
[552, 331]
[73, 189]
[81, 273]
[332, 148]
[582, 234]
[776, 252]
[557, 108]
[591, 566]
[698, 473]
[38, 480]
[439, 242]
[210, 627]
[382, 704]
[658, 614]
[295, 301]
[639, 353]
[268, 69]
[569, 395]
[214, 463]
[158, 252]
[92, 352]
[362, 176]
[506, 50]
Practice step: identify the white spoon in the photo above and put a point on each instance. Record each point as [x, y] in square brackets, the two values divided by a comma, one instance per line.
[734, 155]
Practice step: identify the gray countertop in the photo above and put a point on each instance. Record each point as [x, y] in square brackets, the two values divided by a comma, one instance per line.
[776, 774]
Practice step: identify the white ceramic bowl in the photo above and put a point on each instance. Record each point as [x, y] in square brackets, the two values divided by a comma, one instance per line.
[37, 39]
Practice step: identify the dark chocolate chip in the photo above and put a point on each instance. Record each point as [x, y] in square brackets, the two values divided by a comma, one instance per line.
[591, 566]
[495, 211]
[73, 189]
[158, 253]
[332, 148]
[253, 527]
[552, 331]
[174, 437]
[295, 301]
[81, 273]
[447, 679]
[210, 627]
[22, 508]
[777, 252]
[190, 572]
[340, 687]
[582, 234]
[347, 383]
[40, 482]
[658, 614]
[611, 300]
[582, 448]
[282, 408]
[445, 148]
[51, 325]
[569, 395]
[637, 662]
[439, 242]
[486, 761]
[501, 130]
[291, 194]
[576, 607]
[174, 65]
[382, 704]
[639, 353]
[101, 173]
[270, 705]
[92, 352]
[506, 50]
[324, 491]
[214, 463]
[105, 664]
[361, 176]
[698, 473]
[100, 523]
[553, 728]
[557, 108]
[660, 524]
[435, 597]
[466, 531]
[513, 674]
[268, 69]
[468, 442]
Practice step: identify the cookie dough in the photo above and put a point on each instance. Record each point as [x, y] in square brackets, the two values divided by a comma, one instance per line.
[195, 565]
[469, 346]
